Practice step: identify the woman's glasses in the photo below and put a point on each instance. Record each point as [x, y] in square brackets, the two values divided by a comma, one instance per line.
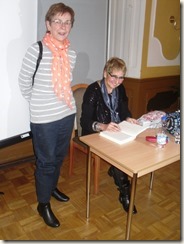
[115, 77]
[59, 22]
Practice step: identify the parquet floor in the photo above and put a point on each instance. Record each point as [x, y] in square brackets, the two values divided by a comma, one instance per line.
[158, 217]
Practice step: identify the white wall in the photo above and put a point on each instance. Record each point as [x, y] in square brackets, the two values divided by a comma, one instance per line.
[88, 36]
[20, 27]
[18, 24]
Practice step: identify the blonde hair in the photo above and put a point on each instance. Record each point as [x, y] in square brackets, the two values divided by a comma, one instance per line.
[115, 63]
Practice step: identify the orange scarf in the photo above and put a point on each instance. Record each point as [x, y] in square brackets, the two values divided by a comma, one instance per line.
[61, 79]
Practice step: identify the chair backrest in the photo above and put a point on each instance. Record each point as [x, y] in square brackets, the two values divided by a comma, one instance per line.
[78, 92]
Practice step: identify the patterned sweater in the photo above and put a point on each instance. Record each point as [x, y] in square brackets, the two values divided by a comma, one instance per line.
[44, 105]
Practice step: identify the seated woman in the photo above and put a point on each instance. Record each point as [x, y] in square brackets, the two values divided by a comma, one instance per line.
[105, 104]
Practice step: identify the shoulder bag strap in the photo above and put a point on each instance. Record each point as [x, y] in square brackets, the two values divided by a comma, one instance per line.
[38, 60]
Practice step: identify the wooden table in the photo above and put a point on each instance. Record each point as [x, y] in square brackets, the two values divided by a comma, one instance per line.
[136, 158]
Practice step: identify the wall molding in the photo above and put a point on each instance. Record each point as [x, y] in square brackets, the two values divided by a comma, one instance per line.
[155, 54]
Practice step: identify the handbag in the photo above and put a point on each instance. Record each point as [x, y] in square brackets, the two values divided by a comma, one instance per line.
[172, 122]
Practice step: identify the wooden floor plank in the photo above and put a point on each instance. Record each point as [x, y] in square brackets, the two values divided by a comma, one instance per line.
[158, 216]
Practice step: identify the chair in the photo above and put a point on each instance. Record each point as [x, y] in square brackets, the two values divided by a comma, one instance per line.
[75, 143]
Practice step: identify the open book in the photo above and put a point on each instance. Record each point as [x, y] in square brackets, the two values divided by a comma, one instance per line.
[128, 132]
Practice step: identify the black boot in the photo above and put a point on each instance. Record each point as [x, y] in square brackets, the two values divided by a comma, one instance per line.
[123, 184]
[48, 216]
[124, 197]
[120, 178]
[114, 172]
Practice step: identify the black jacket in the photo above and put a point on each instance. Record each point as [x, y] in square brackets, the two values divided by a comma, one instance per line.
[94, 108]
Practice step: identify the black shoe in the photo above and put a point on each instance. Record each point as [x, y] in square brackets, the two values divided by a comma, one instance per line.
[124, 200]
[48, 216]
[60, 196]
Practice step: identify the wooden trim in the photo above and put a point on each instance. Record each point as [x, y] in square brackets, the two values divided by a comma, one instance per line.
[140, 91]
[16, 152]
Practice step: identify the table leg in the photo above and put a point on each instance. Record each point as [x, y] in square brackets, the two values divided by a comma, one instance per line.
[151, 180]
[88, 183]
[131, 206]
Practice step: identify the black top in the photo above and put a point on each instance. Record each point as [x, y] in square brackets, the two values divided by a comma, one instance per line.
[94, 108]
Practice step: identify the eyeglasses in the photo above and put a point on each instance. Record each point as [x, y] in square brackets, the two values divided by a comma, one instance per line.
[59, 22]
[115, 77]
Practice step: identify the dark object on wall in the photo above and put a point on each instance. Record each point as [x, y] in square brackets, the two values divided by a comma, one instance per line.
[15, 139]
[162, 100]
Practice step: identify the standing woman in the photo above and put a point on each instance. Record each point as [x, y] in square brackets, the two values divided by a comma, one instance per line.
[52, 105]
[105, 104]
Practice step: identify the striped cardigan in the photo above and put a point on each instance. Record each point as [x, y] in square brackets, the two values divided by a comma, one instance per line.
[44, 105]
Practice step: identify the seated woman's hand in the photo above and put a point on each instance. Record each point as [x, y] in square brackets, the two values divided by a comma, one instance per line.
[132, 121]
[110, 127]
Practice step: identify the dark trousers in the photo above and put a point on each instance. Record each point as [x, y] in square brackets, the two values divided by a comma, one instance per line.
[51, 142]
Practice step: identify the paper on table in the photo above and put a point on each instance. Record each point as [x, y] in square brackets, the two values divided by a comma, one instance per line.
[128, 132]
